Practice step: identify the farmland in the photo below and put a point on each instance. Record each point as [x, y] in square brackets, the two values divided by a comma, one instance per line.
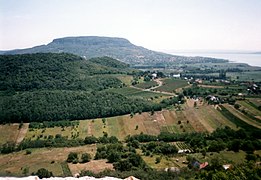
[196, 115]
[137, 93]
[186, 119]
[51, 159]
[203, 118]
[171, 84]
[146, 85]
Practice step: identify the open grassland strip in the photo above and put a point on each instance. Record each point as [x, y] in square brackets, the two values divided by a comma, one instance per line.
[170, 117]
[49, 158]
[131, 126]
[44, 133]
[255, 102]
[234, 119]
[98, 128]
[211, 86]
[84, 128]
[192, 114]
[241, 116]
[123, 133]
[220, 118]
[113, 126]
[66, 169]
[94, 166]
[9, 133]
[164, 163]
[208, 118]
[152, 127]
[189, 115]
[249, 107]
[245, 76]
[214, 117]
[126, 79]
[228, 156]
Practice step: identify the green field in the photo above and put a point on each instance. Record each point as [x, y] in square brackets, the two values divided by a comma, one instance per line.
[126, 79]
[245, 76]
[146, 85]
[137, 93]
[170, 85]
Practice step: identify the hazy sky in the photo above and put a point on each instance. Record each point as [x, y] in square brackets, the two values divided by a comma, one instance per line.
[154, 24]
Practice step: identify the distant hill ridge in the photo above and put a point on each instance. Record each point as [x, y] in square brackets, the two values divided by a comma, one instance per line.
[117, 48]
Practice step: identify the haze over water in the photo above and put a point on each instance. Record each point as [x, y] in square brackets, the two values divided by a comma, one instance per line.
[251, 59]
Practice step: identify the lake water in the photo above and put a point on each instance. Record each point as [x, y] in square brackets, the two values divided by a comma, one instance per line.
[251, 59]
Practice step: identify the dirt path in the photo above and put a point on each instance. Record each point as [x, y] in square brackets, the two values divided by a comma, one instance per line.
[22, 133]
[159, 82]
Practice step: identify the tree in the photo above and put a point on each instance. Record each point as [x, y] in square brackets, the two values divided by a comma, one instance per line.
[235, 145]
[237, 106]
[86, 157]
[157, 160]
[8, 147]
[72, 157]
[122, 165]
[113, 156]
[90, 140]
[104, 121]
[25, 171]
[204, 152]
[28, 152]
[44, 173]
[131, 114]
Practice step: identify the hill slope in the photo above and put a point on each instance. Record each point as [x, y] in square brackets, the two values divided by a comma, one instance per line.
[57, 71]
[118, 48]
[59, 86]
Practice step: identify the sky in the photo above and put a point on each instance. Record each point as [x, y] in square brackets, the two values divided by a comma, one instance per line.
[154, 24]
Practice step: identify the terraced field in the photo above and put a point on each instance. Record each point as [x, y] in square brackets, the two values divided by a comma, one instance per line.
[242, 116]
[190, 118]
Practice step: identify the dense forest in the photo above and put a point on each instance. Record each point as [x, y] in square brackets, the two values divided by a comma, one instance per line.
[50, 87]
[62, 105]
[57, 71]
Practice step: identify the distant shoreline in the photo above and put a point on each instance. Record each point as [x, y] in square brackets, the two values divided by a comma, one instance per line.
[253, 59]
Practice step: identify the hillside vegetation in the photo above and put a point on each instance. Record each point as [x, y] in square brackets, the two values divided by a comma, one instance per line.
[57, 71]
[44, 87]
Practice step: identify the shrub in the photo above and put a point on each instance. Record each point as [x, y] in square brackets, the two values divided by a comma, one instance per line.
[86, 157]
[158, 159]
[44, 173]
[28, 152]
[72, 157]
